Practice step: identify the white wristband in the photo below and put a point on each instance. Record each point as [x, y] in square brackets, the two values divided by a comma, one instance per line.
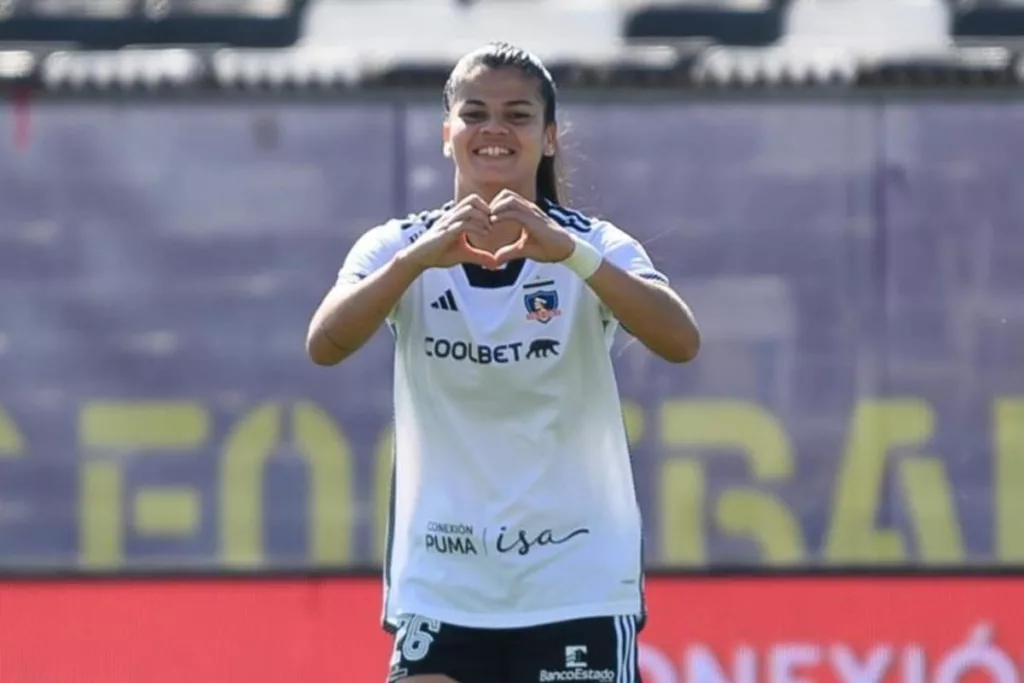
[584, 260]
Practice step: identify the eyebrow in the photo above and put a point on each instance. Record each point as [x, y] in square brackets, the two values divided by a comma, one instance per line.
[512, 103]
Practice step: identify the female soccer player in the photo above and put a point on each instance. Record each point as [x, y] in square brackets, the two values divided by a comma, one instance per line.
[514, 550]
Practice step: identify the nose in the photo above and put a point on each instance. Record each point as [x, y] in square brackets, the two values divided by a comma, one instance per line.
[494, 126]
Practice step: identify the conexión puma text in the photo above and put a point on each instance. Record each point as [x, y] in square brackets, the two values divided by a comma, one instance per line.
[450, 539]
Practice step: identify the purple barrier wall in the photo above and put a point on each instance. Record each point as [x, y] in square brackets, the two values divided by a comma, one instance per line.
[860, 396]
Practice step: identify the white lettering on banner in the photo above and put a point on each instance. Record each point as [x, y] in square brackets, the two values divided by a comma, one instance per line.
[852, 670]
[655, 666]
[914, 663]
[978, 655]
[703, 667]
[788, 661]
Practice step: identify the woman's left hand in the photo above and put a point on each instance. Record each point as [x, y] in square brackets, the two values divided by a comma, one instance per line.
[542, 240]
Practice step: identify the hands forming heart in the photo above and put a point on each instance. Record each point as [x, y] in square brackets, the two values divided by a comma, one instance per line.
[446, 243]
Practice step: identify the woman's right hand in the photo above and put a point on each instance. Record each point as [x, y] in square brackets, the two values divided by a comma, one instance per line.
[446, 243]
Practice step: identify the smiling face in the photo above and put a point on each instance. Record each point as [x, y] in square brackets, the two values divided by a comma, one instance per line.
[496, 131]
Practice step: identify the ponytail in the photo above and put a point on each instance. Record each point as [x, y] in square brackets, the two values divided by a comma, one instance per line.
[548, 180]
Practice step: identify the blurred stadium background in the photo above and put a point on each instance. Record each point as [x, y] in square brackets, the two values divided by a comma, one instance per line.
[834, 491]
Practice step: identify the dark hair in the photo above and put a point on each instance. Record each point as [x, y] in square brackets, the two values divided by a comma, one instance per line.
[502, 55]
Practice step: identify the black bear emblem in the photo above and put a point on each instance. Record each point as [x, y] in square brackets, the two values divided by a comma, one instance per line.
[542, 348]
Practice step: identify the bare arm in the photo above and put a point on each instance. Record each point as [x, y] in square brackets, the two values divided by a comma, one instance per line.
[617, 269]
[352, 312]
[650, 310]
[379, 270]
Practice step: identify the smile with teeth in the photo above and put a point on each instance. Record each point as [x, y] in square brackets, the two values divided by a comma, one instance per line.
[494, 151]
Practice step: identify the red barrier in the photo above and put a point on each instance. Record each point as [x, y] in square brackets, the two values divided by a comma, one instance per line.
[700, 631]
[193, 632]
[831, 630]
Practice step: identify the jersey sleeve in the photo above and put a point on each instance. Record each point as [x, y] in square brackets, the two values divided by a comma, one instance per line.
[624, 251]
[372, 251]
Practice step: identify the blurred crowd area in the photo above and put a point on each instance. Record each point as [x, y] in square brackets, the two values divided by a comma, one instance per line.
[562, 25]
[628, 42]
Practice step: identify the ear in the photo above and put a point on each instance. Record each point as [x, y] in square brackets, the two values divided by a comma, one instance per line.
[550, 140]
[446, 139]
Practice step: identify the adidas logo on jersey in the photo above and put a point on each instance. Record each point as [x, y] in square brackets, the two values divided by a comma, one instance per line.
[445, 302]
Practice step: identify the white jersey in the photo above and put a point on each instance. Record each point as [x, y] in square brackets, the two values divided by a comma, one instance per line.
[513, 501]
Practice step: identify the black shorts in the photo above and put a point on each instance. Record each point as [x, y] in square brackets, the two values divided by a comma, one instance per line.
[597, 650]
